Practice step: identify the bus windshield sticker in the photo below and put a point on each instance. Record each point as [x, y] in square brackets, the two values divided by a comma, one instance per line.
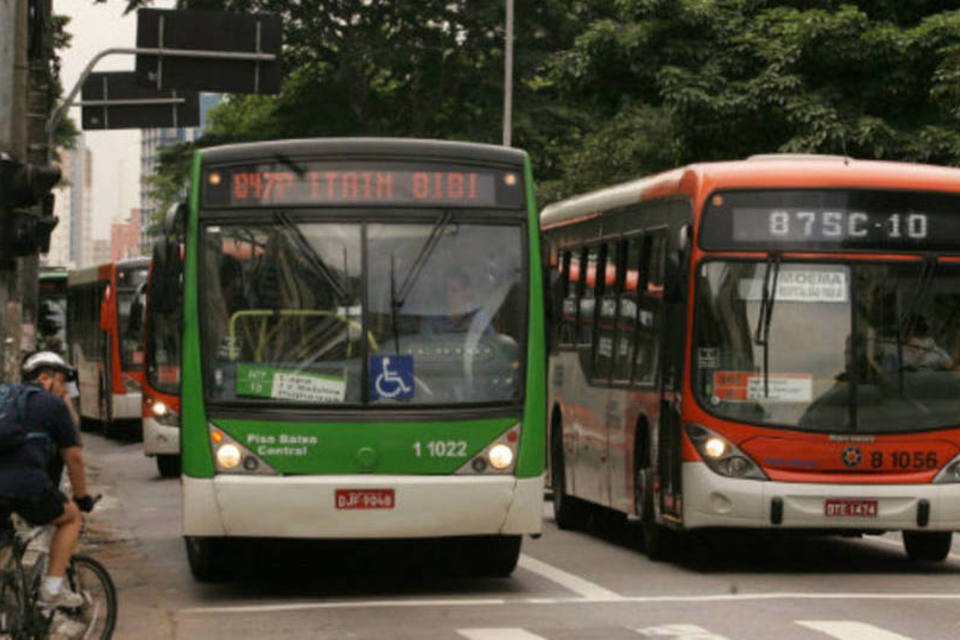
[391, 377]
[280, 384]
[747, 386]
[800, 286]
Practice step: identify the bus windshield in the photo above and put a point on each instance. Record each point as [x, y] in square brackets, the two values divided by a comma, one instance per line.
[131, 308]
[852, 347]
[394, 313]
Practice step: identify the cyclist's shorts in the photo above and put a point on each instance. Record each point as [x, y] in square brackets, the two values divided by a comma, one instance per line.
[37, 511]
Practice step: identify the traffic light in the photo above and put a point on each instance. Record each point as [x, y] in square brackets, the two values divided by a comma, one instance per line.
[26, 207]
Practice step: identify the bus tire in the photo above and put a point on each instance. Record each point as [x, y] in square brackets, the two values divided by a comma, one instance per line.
[657, 539]
[927, 546]
[494, 556]
[207, 558]
[168, 465]
[568, 511]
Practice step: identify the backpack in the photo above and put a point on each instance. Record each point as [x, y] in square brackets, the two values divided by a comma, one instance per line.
[13, 410]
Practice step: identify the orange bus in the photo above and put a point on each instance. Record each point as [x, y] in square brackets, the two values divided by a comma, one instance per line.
[105, 307]
[773, 344]
[161, 383]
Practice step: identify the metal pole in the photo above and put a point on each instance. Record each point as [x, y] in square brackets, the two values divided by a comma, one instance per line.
[508, 77]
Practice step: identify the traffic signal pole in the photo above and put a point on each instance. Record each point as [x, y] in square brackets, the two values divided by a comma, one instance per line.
[13, 121]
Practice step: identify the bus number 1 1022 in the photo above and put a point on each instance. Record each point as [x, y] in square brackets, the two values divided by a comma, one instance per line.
[441, 449]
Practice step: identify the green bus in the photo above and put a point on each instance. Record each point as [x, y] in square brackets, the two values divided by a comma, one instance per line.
[363, 347]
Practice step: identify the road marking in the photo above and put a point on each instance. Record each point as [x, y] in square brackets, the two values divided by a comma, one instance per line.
[681, 632]
[512, 633]
[486, 602]
[845, 630]
[581, 586]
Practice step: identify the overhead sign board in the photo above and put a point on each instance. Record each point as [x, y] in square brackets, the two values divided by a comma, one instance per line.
[115, 100]
[209, 51]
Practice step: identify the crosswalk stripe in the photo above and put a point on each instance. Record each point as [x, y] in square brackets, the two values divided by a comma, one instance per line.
[511, 633]
[849, 630]
[578, 585]
[680, 632]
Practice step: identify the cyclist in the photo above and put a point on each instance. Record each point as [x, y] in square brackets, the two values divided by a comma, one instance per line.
[26, 487]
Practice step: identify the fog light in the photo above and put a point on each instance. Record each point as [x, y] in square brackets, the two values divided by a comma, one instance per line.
[736, 466]
[250, 463]
[479, 464]
[500, 456]
[715, 447]
[228, 456]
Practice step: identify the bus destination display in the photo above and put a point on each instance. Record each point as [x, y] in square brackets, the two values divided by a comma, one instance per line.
[832, 221]
[326, 184]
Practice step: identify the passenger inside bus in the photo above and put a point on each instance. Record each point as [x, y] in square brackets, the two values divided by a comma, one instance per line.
[919, 351]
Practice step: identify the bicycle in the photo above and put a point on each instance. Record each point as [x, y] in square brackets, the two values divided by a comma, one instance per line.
[21, 616]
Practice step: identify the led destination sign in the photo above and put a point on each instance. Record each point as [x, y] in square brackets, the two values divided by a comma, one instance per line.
[325, 184]
[833, 220]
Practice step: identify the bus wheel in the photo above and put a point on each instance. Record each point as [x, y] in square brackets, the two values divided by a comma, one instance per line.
[927, 546]
[168, 465]
[568, 511]
[657, 540]
[494, 556]
[207, 558]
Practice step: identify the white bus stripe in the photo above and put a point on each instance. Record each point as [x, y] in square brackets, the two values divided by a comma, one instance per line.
[849, 630]
[512, 633]
[578, 585]
[680, 632]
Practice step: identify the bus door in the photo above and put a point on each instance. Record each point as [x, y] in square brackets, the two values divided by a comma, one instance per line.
[611, 459]
[590, 415]
[672, 278]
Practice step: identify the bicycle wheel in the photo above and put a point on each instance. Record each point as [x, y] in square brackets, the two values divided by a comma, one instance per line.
[91, 579]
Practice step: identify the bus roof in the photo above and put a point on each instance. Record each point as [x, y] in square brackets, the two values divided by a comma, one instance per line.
[785, 171]
[360, 147]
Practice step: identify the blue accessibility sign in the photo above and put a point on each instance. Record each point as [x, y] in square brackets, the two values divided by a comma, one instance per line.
[391, 377]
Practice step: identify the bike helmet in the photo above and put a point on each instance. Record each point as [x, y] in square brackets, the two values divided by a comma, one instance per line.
[41, 360]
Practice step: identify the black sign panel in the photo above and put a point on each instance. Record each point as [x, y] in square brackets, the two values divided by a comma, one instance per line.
[209, 31]
[358, 183]
[127, 105]
[831, 220]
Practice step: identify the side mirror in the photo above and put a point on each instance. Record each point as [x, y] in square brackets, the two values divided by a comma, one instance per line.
[175, 221]
[165, 276]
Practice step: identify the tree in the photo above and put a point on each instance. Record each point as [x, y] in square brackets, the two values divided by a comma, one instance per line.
[669, 82]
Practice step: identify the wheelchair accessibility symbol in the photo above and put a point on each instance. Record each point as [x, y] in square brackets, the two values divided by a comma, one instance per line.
[391, 377]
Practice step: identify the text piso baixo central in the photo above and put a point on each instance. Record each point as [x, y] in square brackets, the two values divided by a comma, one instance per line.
[280, 445]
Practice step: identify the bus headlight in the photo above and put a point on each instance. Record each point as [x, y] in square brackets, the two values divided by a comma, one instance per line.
[722, 456]
[229, 456]
[949, 473]
[500, 456]
[163, 414]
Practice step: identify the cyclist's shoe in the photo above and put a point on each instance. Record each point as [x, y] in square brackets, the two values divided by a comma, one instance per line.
[63, 627]
[65, 598]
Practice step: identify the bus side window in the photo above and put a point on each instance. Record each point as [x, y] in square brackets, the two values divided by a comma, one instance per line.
[588, 299]
[627, 309]
[568, 327]
[650, 301]
[607, 292]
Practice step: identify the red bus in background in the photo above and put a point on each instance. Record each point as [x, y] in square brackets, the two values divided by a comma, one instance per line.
[775, 345]
[161, 385]
[105, 313]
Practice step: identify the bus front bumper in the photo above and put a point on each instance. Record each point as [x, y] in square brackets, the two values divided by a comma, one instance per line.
[159, 439]
[305, 506]
[712, 500]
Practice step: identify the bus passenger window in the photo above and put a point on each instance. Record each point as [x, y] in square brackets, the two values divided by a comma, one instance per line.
[568, 311]
[649, 301]
[588, 298]
[627, 310]
[609, 288]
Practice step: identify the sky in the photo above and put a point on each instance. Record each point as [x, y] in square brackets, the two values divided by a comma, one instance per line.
[116, 154]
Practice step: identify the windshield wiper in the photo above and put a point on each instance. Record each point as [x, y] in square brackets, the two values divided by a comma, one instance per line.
[310, 255]
[397, 298]
[761, 334]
